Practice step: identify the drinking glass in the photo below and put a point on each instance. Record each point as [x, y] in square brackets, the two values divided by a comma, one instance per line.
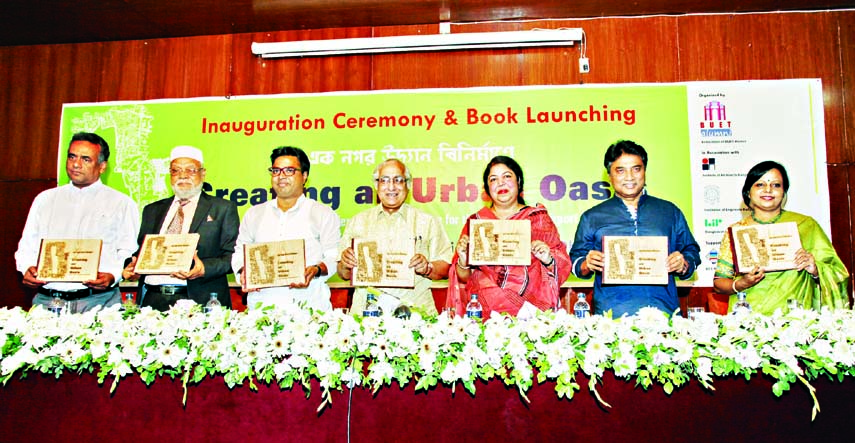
[695, 311]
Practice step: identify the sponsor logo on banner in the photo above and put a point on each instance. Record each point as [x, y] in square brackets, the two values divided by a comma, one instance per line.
[708, 164]
[713, 257]
[715, 122]
[712, 195]
[712, 223]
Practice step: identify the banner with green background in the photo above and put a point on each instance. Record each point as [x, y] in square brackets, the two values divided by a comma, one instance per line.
[446, 137]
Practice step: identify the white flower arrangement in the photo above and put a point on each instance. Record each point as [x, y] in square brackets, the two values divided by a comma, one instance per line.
[291, 345]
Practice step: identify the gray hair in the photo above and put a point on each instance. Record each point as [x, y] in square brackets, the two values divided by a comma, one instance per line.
[376, 173]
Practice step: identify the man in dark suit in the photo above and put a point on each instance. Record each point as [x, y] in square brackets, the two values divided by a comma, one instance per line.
[189, 211]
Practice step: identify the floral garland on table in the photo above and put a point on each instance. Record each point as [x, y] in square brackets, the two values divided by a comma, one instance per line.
[289, 345]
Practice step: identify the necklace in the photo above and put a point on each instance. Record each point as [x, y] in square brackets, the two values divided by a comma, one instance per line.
[773, 220]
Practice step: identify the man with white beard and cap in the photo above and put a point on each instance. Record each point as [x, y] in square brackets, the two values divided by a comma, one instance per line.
[189, 211]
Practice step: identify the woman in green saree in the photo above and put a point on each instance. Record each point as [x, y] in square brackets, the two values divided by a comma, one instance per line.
[818, 279]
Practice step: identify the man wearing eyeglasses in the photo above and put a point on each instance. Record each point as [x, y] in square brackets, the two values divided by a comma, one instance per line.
[83, 209]
[397, 219]
[189, 211]
[291, 216]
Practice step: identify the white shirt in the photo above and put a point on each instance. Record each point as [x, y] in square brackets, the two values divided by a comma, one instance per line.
[189, 210]
[309, 220]
[94, 211]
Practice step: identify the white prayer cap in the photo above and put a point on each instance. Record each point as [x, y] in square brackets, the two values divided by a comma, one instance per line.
[186, 152]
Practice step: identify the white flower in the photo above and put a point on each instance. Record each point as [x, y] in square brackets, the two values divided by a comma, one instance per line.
[725, 349]
[704, 329]
[328, 367]
[14, 362]
[823, 348]
[605, 328]
[121, 370]
[842, 353]
[748, 357]
[15, 320]
[35, 338]
[298, 362]
[475, 354]
[683, 350]
[535, 329]
[516, 348]
[447, 375]
[351, 377]
[380, 349]
[171, 355]
[381, 371]
[557, 354]
[660, 358]
[427, 355]
[625, 365]
[97, 348]
[651, 320]
[596, 352]
[704, 368]
[281, 369]
[556, 369]
[463, 370]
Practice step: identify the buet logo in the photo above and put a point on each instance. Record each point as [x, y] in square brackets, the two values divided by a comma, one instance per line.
[715, 122]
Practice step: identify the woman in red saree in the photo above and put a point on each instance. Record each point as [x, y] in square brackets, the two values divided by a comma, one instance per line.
[508, 288]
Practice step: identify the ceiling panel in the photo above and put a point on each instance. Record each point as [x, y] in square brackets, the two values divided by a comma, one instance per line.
[33, 22]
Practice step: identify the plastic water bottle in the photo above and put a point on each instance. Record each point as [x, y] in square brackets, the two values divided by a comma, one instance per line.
[372, 309]
[128, 303]
[212, 304]
[56, 305]
[741, 305]
[581, 309]
[474, 309]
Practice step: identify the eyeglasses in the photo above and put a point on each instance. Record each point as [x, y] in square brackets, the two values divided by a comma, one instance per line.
[397, 180]
[287, 171]
[190, 171]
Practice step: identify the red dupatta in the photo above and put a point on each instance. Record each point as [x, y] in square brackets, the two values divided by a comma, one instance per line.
[507, 288]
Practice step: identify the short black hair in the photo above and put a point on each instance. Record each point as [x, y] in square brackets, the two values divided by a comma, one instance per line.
[759, 170]
[513, 166]
[622, 147]
[95, 139]
[291, 151]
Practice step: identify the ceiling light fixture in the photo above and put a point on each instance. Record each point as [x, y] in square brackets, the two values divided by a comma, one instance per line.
[414, 43]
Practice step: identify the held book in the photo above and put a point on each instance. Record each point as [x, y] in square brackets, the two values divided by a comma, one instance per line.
[69, 260]
[635, 260]
[500, 242]
[166, 253]
[272, 264]
[384, 263]
[770, 247]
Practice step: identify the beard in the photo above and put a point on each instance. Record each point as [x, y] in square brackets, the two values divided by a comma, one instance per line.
[183, 194]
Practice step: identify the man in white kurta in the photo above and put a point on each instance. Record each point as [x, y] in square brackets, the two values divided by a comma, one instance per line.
[292, 216]
[396, 219]
[82, 209]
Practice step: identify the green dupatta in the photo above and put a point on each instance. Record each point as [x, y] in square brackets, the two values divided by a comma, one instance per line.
[830, 289]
